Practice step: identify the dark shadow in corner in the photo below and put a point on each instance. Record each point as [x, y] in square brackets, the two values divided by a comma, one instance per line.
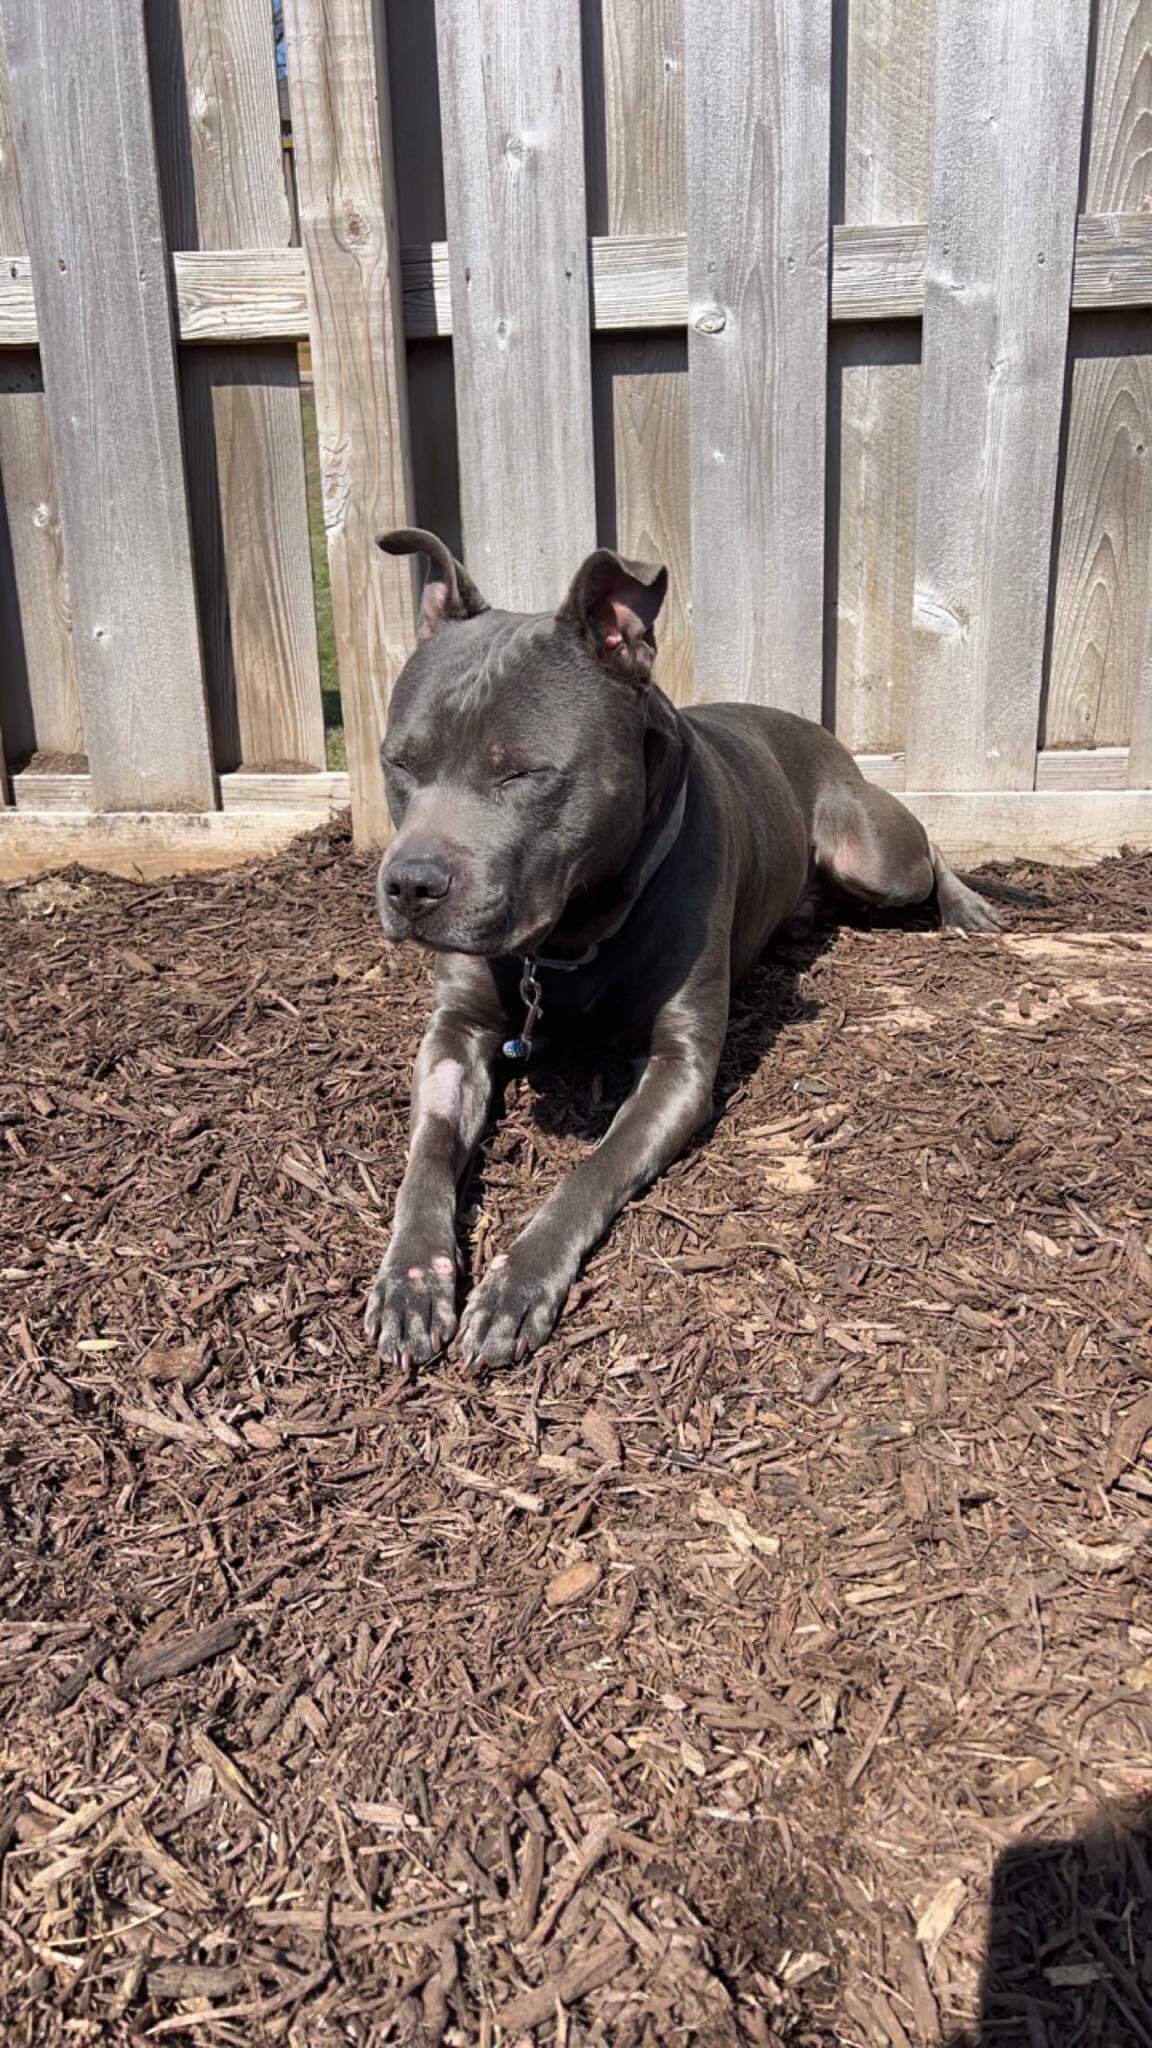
[1068, 1958]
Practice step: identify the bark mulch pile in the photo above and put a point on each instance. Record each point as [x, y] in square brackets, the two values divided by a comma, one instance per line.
[768, 1662]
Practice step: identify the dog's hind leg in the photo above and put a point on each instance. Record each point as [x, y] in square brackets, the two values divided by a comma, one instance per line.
[870, 845]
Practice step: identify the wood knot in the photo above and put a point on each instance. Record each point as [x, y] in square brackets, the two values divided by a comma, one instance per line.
[710, 320]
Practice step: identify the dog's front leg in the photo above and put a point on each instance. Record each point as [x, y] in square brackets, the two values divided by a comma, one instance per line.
[516, 1304]
[412, 1307]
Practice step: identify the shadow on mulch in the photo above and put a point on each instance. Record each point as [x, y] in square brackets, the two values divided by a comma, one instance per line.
[1069, 1941]
[575, 1087]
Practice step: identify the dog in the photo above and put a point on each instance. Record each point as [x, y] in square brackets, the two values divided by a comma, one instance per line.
[570, 845]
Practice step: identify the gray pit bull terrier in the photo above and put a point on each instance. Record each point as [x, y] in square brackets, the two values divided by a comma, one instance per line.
[571, 845]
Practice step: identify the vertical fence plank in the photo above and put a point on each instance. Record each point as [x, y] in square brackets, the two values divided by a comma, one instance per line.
[758, 90]
[885, 49]
[414, 94]
[1140, 748]
[641, 411]
[1104, 569]
[634, 116]
[1104, 560]
[39, 694]
[222, 176]
[999, 271]
[511, 100]
[84, 139]
[634, 120]
[337, 80]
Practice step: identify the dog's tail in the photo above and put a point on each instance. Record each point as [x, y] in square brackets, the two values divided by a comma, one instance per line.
[1003, 892]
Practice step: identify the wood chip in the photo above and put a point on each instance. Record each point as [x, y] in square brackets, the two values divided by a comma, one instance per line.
[136, 1837]
[87, 1817]
[1104, 1557]
[194, 1980]
[479, 1482]
[574, 1583]
[892, 1699]
[571, 1876]
[918, 1989]
[601, 1435]
[183, 1653]
[736, 1526]
[227, 1774]
[587, 1973]
[1128, 1439]
[938, 1916]
[275, 1707]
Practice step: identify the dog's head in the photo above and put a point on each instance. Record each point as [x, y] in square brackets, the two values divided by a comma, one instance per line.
[522, 760]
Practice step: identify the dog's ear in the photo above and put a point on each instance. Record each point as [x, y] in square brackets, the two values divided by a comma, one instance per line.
[449, 592]
[615, 604]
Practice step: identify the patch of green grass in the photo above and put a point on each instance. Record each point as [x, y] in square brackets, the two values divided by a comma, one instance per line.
[335, 749]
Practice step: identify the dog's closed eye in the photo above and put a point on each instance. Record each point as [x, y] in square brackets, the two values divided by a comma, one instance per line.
[523, 775]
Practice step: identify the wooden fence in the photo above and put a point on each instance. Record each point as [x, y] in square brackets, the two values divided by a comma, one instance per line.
[842, 308]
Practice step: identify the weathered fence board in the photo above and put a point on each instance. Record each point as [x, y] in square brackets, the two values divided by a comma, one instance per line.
[636, 281]
[84, 141]
[41, 703]
[510, 97]
[1140, 750]
[342, 129]
[1103, 593]
[221, 163]
[414, 97]
[758, 96]
[881, 166]
[641, 399]
[997, 293]
[1103, 588]
[144, 844]
[634, 118]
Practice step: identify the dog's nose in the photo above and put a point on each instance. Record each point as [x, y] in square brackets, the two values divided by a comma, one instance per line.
[416, 886]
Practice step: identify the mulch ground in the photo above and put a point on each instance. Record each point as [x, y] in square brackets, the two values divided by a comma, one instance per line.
[769, 1661]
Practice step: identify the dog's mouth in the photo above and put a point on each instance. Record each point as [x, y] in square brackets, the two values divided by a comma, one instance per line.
[443, 935]
[488, 941]
[476, 949]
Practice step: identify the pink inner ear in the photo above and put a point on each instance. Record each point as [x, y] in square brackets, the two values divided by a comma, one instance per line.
[616, 622]
[433, 607]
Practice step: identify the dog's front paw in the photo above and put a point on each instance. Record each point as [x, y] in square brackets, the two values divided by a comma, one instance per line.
[411, 1313]
[513, 1310]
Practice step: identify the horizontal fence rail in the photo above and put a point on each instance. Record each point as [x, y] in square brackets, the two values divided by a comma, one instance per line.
[844, 312]
[635, 281]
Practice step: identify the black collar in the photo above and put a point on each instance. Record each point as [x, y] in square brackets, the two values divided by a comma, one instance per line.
[654, 846]
[578, 945]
